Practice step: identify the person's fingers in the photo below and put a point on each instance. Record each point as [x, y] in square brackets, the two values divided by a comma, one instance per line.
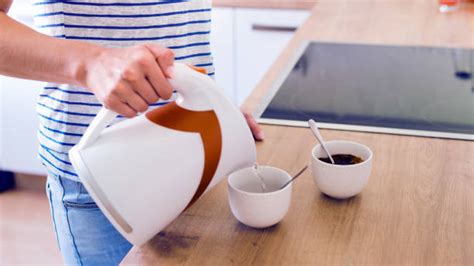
[154, 74]
[158, 73]
[160, 84]
[254, 127]
[145, 90]
[114, 103]
[132, 98]
[146, 70]
[164, 57]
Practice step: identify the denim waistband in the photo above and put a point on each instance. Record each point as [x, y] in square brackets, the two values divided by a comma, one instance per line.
[72, 191]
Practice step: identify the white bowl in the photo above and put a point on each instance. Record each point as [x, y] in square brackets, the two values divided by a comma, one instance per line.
[253, 207]
[341, 181]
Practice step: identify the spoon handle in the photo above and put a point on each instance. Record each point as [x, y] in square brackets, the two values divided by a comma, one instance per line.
[295, 176]
[262, 183]
[315, 130]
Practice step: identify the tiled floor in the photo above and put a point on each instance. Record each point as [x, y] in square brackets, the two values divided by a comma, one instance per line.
[26, 234]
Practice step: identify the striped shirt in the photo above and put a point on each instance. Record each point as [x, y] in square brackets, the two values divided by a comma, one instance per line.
[66, 111]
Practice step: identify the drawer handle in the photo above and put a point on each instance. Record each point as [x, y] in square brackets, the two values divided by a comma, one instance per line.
[262, 27]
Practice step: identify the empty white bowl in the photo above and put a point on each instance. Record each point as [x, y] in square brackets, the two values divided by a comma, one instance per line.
[341, 181]
[253, 207]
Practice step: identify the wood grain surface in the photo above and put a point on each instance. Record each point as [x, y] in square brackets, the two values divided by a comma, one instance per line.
[418, 207]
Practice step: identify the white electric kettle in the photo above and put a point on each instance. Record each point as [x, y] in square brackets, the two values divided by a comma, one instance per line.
[143, 172]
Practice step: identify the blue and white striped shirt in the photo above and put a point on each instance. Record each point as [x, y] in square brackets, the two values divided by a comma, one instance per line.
[66, 111]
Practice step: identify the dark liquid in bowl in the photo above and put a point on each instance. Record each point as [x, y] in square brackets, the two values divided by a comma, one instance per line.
[343, 159]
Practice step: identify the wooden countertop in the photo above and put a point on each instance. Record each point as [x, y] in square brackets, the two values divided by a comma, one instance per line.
[285, 4]
[418, 207]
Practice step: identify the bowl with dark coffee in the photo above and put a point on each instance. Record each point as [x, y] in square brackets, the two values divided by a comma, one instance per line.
[350, 172]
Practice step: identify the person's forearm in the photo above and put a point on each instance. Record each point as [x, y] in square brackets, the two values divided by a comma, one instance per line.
[25, 53]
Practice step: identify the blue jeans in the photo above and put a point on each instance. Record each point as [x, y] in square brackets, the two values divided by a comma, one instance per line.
[84, 235]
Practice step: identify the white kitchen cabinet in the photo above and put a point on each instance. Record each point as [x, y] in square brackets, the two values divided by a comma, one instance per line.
[223, 46]
[19, 124]
[245, 42]
[261, 35]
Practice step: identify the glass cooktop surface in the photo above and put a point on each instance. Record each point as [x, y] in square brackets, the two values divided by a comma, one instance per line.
[423, 91]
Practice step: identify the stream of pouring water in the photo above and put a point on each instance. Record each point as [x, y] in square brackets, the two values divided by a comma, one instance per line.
[262, 183]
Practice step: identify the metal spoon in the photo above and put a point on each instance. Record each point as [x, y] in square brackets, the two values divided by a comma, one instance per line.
[295, 176]
[262, 183]
[315, 130]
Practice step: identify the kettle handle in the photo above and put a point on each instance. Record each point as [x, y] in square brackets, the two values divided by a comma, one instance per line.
[190, 85]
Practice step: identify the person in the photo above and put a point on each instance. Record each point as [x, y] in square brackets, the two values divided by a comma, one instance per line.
[92, 53]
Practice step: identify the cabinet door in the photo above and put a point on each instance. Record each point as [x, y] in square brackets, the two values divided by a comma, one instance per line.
[222, 46]
[261, 35]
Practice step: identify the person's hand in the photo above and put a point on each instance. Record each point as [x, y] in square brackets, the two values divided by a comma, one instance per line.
[128, 80]
[257, 131]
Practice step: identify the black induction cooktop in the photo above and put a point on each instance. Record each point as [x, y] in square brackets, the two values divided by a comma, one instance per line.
[424, 91]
